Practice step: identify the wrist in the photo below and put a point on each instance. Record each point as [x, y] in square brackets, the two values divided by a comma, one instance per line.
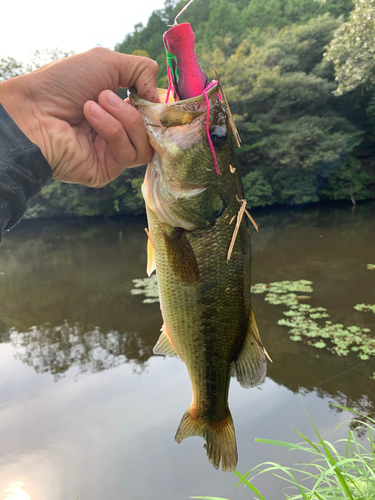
[20, 107]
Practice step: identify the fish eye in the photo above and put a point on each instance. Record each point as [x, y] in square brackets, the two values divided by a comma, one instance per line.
[218, 136]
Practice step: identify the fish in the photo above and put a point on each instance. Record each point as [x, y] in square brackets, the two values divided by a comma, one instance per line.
[205, 297]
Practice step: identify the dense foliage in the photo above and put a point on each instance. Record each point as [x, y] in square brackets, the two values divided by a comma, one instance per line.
[299, 141]
[352, 49]
[302, 141]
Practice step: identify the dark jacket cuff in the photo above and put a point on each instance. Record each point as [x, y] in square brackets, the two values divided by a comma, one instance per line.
[24, 171]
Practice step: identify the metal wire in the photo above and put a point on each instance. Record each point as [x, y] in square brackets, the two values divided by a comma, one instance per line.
[181, 11]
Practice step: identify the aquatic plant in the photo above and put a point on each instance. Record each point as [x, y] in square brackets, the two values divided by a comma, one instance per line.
[302, 320]
[330, 474]
[365, 307]
[147, 287]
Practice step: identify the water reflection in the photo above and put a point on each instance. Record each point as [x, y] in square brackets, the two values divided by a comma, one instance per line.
[66, 307]
[16, 491]
[57, 349]
[85, 271]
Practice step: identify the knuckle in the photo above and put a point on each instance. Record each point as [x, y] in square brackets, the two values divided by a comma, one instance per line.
[96, 182]
[154, 66]
[131, 157]
[146, 157]
[117, 132]
[99, 51]
[134, 119]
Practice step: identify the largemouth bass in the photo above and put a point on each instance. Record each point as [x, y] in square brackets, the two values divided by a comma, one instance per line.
[204, 297]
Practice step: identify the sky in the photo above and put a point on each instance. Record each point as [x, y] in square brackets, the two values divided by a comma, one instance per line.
[76, 25]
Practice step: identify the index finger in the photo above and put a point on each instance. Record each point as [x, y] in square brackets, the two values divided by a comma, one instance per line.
[139, 72]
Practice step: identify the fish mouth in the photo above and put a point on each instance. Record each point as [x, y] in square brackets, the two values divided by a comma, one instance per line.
[158, 116]
[191, 104]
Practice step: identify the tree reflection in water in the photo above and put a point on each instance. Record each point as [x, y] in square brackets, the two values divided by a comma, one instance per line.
[84, 271]
[57, 349]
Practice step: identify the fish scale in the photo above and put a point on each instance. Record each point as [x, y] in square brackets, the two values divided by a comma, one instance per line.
[204, 297]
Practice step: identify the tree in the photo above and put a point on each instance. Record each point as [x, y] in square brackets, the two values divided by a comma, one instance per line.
[293, 137]
[9, 68]
[45, 56]
[300, 144]
[225, 19]
[352, 49]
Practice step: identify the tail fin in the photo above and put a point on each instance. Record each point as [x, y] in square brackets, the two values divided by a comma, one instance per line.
[220, 439]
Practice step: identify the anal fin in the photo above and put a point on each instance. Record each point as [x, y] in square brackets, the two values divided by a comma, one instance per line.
[164, 345]
[250, 366]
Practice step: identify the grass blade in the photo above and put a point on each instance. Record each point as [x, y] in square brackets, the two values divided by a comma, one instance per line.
[330, 475]
[306, 439]
[285, 444]
[371, 443]
[330, 458]
[249, 485]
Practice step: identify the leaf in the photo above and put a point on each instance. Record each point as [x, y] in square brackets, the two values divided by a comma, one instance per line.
[285, 444]
[249, 485]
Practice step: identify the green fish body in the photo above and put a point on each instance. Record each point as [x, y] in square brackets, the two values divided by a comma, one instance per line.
[204, 297]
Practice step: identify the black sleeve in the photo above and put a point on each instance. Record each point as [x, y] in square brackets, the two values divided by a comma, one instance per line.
[23, 171]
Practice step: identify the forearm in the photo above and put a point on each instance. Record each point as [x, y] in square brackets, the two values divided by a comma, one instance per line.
[67, 122]
[15, 99]
[23, 171]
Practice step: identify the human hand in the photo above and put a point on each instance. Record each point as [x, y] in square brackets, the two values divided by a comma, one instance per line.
[84, 141]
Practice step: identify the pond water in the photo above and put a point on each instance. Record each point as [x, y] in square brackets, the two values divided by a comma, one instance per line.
[86, 408]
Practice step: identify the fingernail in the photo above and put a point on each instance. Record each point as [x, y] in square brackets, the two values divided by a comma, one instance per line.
[114, 100]
[96, 111]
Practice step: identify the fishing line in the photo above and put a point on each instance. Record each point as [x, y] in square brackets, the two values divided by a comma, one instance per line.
[360, 365]
[170, 85]
[181, 11]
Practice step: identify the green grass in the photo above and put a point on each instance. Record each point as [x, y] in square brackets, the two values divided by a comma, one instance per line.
[327, 473]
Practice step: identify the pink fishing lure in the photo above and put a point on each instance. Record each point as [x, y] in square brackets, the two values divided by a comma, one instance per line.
[189, 79]
[186, 78]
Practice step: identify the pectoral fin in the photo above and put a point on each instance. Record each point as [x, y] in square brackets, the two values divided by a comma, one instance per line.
[250, 366]
[164, 345]
[181, 257]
